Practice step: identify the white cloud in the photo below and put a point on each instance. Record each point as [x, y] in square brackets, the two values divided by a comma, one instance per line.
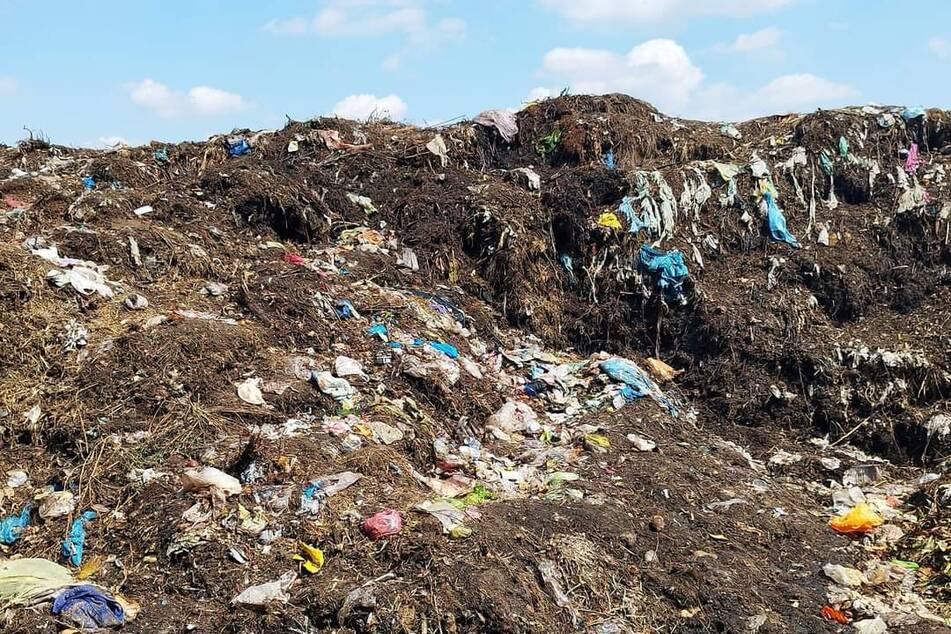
[347, 18]
[940, 47]
[540, 92]
[391, 64]
[659, 71]
[407, 20]
[627, 12]
[757, 41]
[662, 73]
[200, 100]
[207, 100]
[8, 86]
[799, 92]
[112, 141]
[290, 26]
[363, 107]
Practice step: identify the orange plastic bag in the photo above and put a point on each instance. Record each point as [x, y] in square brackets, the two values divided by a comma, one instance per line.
[832, 614]
[861, 519]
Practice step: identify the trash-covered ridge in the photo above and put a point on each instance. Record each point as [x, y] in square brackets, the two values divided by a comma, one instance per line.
[583, 368]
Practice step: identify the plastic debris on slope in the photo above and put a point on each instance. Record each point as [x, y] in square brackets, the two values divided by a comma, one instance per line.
[88, 607]
[12, 527]
[776, 222]
[26, 582]
[73, 544]
[669, 267]
[503, 121]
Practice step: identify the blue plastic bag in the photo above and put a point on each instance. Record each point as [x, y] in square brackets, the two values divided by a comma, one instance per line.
[777, 222]
[913, 112]
[88, 607]
[626, 208]
[377, 329]
[446, 348]
[72, 548]
[344, 309]
[161, 155]
[608, 160]
[238, 147]
[637, 383]
[629, 373]
[12, 527]
[669, 267]
[89, 183]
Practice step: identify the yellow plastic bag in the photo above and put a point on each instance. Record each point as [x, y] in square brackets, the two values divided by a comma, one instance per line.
[861, 519]
[311, 556]
[609, 220]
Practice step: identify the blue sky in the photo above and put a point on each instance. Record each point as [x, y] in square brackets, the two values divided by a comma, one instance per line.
[88, 72]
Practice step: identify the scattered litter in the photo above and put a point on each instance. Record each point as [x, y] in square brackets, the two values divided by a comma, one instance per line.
[72, 548]
[503, 121]
[383, 524]
[276, 591]
[26, 582]
[249, 391]
[88, 607]
[210, 478]
[861, 519]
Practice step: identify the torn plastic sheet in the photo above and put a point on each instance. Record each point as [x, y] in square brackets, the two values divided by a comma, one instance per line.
[777, 222]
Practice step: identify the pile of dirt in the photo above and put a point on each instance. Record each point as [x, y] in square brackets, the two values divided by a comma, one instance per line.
[447, 326]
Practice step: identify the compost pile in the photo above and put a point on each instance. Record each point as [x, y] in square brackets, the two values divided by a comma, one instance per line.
[583, 368]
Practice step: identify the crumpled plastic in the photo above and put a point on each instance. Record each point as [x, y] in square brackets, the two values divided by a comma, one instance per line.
[630, 374]
[30, 581]
[504, 121]
[860, 520]
[88, 607]
[337, 388]
[321, 488]
[610, 220]
[776, 222]
[383, 524]
[913, 112]
[446, 348]
[626, 209]
[210, 478]
[514, 416]
[238, 147]
[363, 202]
[270, 592]
[72, 548]
[670, 267]
[83, 279]
[12, 527]
[911, 163]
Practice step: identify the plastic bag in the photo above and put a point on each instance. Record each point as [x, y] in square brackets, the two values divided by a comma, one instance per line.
[72, 548]
[382, 524]
[861, 519]
[12, 527]
[88, 607]
[210, 478]
[30, 581]
[270, 592]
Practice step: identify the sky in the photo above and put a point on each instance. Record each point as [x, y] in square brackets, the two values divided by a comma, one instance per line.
[99, 72]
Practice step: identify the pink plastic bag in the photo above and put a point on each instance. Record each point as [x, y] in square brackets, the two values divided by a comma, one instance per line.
[911, 165]
[382, 524]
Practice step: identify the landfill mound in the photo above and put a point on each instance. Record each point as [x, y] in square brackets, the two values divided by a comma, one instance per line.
[583, 368]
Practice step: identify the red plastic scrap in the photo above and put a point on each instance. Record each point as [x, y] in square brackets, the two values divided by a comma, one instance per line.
[293, 258]
[13, 202]
[832, 614]
[382, 524]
